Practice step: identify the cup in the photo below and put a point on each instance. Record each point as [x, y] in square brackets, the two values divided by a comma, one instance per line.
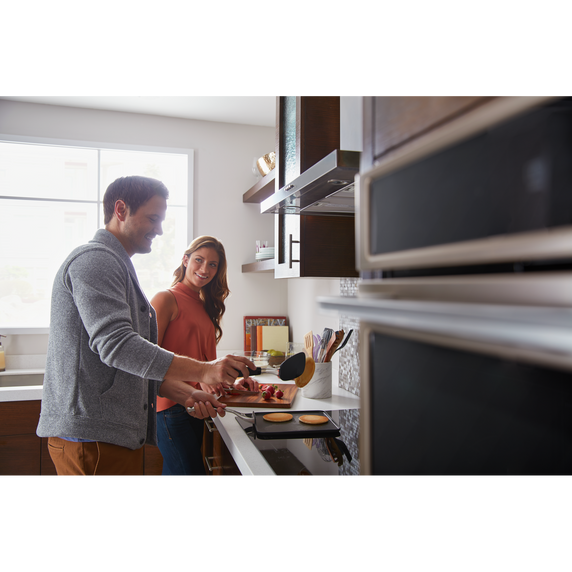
[320, 386]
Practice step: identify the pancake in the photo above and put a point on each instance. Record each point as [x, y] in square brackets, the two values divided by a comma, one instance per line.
[277, 417]
[313, 419]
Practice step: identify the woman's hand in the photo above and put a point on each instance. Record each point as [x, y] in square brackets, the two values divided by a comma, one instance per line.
[216, 390]
[248, 384]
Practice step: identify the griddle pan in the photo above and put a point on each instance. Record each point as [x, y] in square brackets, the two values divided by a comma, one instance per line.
[293, 429]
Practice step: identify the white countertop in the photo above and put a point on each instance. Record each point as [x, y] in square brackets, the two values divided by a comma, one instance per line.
[21, 393]
[247, 457]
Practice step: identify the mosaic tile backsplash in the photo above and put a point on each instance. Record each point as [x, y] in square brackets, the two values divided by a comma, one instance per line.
[349, 379]
[349, 364]
[349, 434]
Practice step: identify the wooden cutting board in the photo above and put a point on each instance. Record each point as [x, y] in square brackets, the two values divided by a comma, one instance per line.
[285, 402]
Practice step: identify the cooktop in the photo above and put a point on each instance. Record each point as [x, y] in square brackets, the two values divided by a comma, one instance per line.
[313, 456]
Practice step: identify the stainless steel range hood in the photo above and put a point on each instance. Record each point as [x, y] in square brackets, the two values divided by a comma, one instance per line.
[325, 188]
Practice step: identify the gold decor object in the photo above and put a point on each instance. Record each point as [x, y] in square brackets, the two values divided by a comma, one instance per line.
[266, 163]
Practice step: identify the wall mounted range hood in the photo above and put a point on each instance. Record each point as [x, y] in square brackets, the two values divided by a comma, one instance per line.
[326, 187]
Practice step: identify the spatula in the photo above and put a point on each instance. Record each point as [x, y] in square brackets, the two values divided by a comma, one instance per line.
[309, 343]
[327, 335]
[338, 339]
[309, 369]
[345, 341]
[329, 345]
[291, 367]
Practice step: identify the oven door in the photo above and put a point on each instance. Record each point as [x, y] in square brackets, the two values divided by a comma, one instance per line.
[478, 391]
[490, 188]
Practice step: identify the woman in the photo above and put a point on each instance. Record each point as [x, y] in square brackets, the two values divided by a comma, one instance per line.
[189, 320]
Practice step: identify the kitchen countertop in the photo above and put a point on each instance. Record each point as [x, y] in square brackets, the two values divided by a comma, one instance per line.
[21, 393]
[247, 457]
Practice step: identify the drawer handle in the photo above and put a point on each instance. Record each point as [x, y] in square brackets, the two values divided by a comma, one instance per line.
[210, 425]
[207, 461]
[213, 466]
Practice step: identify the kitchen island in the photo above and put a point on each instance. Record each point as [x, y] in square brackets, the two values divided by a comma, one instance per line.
[251, 455]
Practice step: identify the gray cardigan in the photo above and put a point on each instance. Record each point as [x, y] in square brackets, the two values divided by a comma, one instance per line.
[103, 367]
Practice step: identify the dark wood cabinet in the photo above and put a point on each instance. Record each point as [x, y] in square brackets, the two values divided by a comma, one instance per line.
[315, 246]
[152, 460]
[307, 129]
[391, 122]
[22, 452]
[20, 447]
[306, 245]
[217, 458]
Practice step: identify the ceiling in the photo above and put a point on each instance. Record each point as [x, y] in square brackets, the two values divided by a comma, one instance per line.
[247, 110]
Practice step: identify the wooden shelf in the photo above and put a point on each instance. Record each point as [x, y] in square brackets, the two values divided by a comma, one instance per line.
[259, 266]
[261, 190]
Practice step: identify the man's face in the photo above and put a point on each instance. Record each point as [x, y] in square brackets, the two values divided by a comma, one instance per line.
[141, 228]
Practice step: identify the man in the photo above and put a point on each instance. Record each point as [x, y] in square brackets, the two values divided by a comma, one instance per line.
[104, 369]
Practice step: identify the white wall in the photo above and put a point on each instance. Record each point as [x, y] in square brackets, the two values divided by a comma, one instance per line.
[223, 162]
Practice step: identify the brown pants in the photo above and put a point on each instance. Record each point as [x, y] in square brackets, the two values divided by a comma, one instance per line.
[94, 458]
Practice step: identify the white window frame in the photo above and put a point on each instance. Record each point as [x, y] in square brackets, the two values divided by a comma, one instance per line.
[8, 138]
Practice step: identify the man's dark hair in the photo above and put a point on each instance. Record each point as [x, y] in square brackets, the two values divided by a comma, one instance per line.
[134, 191]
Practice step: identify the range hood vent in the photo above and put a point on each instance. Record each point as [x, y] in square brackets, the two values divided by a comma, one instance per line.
[327, 187]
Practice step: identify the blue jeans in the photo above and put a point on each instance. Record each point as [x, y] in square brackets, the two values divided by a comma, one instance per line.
[180, 437]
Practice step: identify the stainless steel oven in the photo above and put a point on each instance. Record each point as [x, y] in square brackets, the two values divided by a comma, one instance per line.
[464, 247]
[490, 188]
[463, 388]
[438, 404]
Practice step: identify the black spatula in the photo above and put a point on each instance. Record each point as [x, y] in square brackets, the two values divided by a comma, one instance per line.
[291, 368]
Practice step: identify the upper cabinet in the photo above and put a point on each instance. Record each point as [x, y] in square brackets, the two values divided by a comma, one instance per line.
[391, 122]
[313, 194]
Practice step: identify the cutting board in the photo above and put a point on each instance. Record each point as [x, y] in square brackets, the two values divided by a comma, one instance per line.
[285, 402]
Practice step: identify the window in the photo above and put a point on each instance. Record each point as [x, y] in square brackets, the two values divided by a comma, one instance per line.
[51, 201]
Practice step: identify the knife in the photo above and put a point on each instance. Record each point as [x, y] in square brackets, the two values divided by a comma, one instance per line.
[233, 391]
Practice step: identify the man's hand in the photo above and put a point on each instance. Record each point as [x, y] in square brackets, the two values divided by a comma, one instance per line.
[205, 405]
[218, 373]
[224, 371]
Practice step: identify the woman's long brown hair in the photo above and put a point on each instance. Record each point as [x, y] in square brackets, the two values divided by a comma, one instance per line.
[216, 291]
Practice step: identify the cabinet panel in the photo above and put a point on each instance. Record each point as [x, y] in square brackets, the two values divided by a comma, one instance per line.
[327, 246]
[390, 122]
[217, 457]
[47, 466]
[19, 417]
[308, 129]
[317, 246]
[287, 246]
[22, 452]
[153, 463]
[20, 455]
[222, 458]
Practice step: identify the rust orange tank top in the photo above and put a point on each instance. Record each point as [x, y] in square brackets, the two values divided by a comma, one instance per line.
[191, 333]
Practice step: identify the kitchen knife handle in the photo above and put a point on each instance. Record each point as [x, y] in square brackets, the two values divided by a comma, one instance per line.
[256, 371]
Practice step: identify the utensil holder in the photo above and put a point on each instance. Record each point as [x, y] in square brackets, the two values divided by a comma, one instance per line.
[320, 386]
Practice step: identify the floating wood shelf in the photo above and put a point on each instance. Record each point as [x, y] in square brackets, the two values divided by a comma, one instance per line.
[259, 266]
[261, 190]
